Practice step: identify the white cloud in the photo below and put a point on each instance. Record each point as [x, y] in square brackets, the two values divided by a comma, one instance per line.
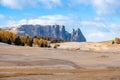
[15, 4]
[92, 24]
[51, 3]
[100, 6]
[49, 19]
[99, 31]
[2, 16]
[67, 20]
[99, 19]
[20, 4]
[101, 26]
[99, 36]
[105, 6]
[96, 34]
[10, 22]
[115, 28]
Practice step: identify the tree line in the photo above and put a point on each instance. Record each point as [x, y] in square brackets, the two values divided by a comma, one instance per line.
[13, 39]
[51, 39]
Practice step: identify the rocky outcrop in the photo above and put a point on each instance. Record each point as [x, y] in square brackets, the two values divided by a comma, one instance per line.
[56, 31]
[77, 36]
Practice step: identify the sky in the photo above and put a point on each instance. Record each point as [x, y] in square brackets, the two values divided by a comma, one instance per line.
[99, 20]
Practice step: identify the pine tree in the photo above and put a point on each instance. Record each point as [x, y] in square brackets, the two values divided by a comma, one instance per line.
[30, 42]
[17, 41]
[9, 41]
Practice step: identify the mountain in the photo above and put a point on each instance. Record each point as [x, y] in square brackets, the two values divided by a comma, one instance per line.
[77, 36]
[55, 31]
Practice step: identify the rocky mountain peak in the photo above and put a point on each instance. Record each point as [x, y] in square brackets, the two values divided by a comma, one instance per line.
[55, 31]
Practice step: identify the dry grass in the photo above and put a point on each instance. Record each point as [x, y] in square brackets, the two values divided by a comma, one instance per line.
[86, 65]
[74, 74]
[17, 72]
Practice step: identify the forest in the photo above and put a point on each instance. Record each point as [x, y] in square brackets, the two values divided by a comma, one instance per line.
[14, 39]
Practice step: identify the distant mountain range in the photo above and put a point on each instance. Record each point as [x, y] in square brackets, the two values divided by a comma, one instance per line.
[55, 31]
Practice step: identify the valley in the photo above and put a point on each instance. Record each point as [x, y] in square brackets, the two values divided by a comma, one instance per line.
[34, 63]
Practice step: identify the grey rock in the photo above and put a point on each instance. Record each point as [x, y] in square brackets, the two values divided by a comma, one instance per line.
[55, 31]
[77, 36]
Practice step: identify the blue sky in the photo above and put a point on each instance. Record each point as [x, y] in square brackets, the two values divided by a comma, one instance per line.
[99, 20]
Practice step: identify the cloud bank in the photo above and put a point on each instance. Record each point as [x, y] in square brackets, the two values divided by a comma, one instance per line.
[21, 4]
[100, 6]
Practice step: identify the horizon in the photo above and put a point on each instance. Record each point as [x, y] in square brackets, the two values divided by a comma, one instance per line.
[97, 19]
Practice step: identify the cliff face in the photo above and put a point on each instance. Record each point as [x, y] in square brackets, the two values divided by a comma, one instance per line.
[77, 36]
[56, 31]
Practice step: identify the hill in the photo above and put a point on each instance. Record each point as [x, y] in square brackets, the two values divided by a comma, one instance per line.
[105, 46]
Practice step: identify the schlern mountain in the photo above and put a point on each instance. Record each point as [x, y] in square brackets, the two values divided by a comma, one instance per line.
[54, 31]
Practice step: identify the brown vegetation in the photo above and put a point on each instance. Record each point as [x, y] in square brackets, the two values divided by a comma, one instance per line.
[11, 38]
[56, 45]
[35, 41]
[117, 40]
[41, 41]
[7, 37]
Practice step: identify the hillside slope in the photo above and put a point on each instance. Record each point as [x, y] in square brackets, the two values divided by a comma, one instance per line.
[91, 46]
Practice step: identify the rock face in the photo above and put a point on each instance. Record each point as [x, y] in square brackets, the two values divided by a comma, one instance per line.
[56, 31]
[77, 36]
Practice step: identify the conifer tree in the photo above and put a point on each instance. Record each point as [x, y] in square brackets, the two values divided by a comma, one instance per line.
[9, 41]
[17, 41]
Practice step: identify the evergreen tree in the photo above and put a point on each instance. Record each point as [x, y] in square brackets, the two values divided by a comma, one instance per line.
[9, 41]
[30, 42]
[17, 41]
